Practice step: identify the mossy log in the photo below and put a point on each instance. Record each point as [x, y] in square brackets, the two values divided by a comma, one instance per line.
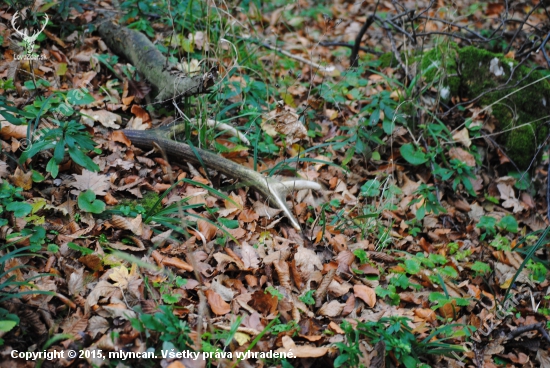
[518, 96]
[150, 62]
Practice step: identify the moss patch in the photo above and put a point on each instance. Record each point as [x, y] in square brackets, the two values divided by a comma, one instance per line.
[521, 112]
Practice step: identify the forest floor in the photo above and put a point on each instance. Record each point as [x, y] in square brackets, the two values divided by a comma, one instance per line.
[426, 246]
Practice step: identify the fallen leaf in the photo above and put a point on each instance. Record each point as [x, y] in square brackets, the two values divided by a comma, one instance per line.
[249, 256]
[462, 155]
[106, 118]
[217, 304]
[98, 183]
[8, 130]
[21, 179]
[283, 120]
[103, 289]
[331, 309]
[241, 338]
[302, 351]
[463, 136]
[122, 276]
[118, 136]
[365, 293]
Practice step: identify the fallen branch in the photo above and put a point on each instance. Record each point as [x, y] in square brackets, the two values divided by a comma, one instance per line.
[149, 61]
[272, 189]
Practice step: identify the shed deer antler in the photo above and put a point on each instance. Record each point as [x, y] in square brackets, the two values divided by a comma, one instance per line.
[29, 40]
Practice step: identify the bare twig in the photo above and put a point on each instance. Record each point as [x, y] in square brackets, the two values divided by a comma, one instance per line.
[355, 51]
[534, 327]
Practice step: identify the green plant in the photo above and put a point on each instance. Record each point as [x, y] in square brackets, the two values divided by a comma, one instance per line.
[430, 202]
[307, 298]
[399, 339]
[88, 203]
[7, 322]
[12, 204]
[151, 210]
[481, 268]
[274, 292]
[167, 327]
[69, 136]
[538, 270]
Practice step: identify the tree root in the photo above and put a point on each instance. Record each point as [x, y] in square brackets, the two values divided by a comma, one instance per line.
[272, 189]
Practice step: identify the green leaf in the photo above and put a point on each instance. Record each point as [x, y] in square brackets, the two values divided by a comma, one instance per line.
[19, 209]
[84, 251]
[349, 156]
[53, 248]
[341, 360]
[371, 188]
[230, 224]
[81, 159]
[412, 266]
[307, 298]
[37, 177]
[508, 223]
[6, 326]
[59, 151]
[79, 97]
[52, 168]
[413, 155]
[171, 298]
[88, 203]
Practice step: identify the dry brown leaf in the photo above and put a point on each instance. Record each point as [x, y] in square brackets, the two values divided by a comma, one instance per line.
[140, 113]
[3, 169]
[365, 293]
[207, 229]
[345, 259]
[118, 136]
[134, 225]
[249, 256]
[223, 260]
[106, 118]
[97, 324]
[462, 155]
[92, 261]
[426, 314]
[302, 351]
[263, 210]
[74, 324]
[509, 197]
[98, 183]
[463, 136]
[103, 289]
[171, 261]
[76, 282]
[21, 180]
[283, 272]
[264, 303]
[307, 261]
[217, 304]
[331, 309]
[9, 130]
[283, 120]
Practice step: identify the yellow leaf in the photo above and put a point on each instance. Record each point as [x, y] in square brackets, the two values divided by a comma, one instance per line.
[506, 284]
[121, 276]
[242, 338]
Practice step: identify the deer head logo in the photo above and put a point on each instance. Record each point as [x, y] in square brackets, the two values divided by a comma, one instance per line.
[28, 40]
